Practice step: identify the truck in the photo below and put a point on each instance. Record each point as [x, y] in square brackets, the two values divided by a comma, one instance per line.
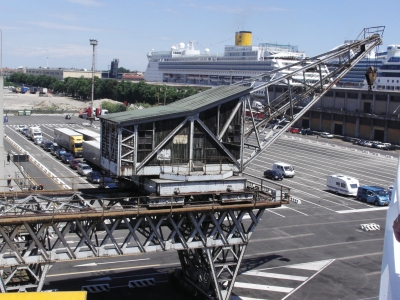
[33, 90]
[91, 152]
[69, 140]
[257, 105]
[97, 112]
[88, 135]
[342, 184]
[34, 132]
[43, 90]
[24, 89]
[373, 194]
[258, 116]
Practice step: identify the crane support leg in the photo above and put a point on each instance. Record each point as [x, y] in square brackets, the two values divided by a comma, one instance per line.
[212, 271]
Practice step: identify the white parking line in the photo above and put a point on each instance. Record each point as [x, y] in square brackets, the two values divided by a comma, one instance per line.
[275, 213]
[362, 210]
[275, 275]
[263, 287]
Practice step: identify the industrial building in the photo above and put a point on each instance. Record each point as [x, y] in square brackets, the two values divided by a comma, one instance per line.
[354, 112]
[61, 73]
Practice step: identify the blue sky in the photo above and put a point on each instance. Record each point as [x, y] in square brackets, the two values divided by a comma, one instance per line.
[34, 30]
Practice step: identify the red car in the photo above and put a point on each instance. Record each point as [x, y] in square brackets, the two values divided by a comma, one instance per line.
[73, 163]
[294, 130]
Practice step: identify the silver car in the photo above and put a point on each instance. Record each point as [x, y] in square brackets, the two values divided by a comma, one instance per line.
[84, 169]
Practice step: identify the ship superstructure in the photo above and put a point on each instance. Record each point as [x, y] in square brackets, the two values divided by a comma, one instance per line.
[389, 71]
[184, 64]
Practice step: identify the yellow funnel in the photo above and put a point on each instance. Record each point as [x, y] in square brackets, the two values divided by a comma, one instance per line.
[243, 38]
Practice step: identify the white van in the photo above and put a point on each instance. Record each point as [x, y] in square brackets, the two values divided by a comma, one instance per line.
[285, 169]
[342, 184]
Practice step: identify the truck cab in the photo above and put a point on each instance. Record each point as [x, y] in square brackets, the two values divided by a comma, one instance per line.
[35, 132]
[373, 194]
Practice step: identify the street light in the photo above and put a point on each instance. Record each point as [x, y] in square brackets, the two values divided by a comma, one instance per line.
[1, 112]
[94, 44]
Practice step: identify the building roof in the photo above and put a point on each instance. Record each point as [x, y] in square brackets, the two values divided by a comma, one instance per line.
[184, 107]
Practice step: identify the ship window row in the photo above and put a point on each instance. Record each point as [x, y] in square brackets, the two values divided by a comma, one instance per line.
[214, 65]
[220, 62]
[388, 80]
[390, 67]
[388, 87]
[394, 59]
[251, 53]
[227, 68]
[384, 74]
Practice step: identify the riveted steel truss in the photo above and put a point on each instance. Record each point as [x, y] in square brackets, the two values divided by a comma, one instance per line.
[210, 239]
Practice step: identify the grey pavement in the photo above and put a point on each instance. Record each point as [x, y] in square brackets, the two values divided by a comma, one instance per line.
[13, 170]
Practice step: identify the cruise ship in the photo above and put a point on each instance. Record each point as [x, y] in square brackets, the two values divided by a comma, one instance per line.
[185, 64]
[388, 71]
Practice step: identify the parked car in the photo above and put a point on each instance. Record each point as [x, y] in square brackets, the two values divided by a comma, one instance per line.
[20, 127]
[360, 142]
[326, 135]
[73, 163]
[388, 146]
[66, 157]
[373, 194]
[25, 131]
[350, 139]
[108, 182]
[54, 148]
[46, 145]
[272, 174]
[293, 130]
[307, 131]
[38, 141]
[60, 152]
[83, 169]
[93, 177]
[367, 144]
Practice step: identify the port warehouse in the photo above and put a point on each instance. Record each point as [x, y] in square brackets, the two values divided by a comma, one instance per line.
[354, 113]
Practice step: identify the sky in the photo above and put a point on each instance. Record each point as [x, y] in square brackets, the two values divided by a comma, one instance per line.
[56, 33]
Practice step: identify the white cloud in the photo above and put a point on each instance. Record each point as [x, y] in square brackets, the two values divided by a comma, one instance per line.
[59, 51]
[49, 25]
[87, 2]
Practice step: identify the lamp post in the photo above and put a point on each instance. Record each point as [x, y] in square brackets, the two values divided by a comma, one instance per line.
[2, 160]
[94, 44]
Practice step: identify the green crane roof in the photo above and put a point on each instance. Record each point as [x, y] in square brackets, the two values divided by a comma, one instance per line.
[186, 106]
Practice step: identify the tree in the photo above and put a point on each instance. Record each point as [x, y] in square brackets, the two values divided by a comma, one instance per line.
[123, 70]
[113, 107]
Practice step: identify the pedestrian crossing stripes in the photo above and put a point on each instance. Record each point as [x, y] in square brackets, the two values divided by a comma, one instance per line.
[277, 282]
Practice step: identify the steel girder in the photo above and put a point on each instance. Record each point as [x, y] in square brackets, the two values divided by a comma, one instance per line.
[217, 237]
